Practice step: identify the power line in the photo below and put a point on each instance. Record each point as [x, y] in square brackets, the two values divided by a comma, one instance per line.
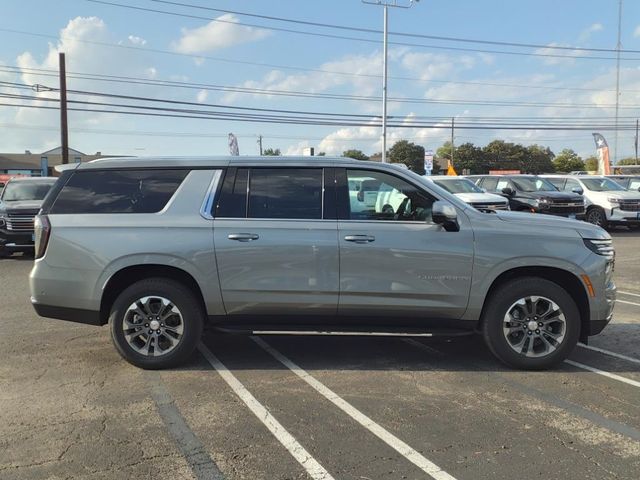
[375, 31]
[302, 120]
[276, 92]
[358, 39]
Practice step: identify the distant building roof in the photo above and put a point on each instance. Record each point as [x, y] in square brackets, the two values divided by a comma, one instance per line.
[9, 164]
[58, 151]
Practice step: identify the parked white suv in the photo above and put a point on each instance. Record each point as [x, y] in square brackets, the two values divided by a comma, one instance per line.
[606, 201]
[470, 193]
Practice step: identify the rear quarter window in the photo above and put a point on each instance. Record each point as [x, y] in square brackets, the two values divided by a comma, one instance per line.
[122, 191]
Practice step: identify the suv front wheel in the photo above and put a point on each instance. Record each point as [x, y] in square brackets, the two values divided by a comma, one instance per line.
[156, 323]
[531, 323]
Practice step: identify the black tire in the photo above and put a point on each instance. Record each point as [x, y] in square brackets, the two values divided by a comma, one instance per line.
[190, 314]
[597, 216]
[501, 302]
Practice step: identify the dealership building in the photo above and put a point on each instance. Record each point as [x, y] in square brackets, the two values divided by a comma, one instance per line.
[40, 164]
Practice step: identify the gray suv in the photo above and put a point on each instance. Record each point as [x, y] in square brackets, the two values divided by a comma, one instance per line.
[157, 248]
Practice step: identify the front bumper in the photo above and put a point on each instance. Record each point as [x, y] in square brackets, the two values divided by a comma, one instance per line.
[16, 241]
[623, 217]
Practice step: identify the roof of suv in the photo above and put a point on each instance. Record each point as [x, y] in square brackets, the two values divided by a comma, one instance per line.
[215, 161]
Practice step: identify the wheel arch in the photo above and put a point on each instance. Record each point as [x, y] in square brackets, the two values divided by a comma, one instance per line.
[127, 276]
[563, 278]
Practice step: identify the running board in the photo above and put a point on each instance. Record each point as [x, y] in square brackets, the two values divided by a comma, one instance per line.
[345, 333]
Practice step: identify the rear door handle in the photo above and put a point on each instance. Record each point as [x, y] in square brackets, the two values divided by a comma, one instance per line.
[360, 238]
[243, 237]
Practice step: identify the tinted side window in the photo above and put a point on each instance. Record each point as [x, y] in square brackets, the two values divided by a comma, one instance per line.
[490, 184]
[285, 193]
[123, 191]
[233, 196]
[380, 196]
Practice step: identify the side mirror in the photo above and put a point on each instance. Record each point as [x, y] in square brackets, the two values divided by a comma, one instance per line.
[445, 214]
[577, 190]
[360, 196]
[507, 191]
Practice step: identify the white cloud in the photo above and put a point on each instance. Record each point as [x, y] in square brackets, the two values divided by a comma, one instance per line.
[566, 57]
[135, 40]
[636, 32]
[223, 32]
[80, 57]
[202, 96]
[590, 30]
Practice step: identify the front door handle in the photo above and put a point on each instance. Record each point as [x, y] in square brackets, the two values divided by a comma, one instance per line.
[360, 238]
[243, 237]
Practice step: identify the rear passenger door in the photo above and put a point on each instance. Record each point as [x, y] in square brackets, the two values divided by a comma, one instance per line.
[275, 235]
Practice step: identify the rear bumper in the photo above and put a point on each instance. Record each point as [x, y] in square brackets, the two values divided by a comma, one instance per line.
[88, 317]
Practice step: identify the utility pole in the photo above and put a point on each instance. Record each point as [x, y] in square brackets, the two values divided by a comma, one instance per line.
[386, 4]
[453, 126]
[64, 127]
[618, 48]
[260, 143]
[636, 142]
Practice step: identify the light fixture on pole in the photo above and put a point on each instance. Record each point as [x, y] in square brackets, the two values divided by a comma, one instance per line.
[386, 4]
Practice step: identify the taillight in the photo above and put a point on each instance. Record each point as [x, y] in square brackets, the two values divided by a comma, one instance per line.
[42, 229]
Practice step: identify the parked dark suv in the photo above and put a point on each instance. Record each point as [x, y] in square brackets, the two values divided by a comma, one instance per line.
[20, 202]
[531, 193]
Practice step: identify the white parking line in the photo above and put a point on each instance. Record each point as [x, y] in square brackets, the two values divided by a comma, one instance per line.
[394, 442]
[313, 468]
[629, 293]
[628, 303]
[610, 353]
[603, 373]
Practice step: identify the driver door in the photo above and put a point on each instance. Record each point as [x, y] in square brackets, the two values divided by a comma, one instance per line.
[394, 261]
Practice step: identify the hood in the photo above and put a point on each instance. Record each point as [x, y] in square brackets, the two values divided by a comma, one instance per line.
[21, 205]
[566, 196]
[621, 194]
[584, 229]
[481, 198]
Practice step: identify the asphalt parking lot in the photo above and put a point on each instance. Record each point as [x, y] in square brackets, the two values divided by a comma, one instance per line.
[315, 407]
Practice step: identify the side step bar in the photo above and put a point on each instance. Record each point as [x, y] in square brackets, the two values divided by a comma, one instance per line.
[247, 330]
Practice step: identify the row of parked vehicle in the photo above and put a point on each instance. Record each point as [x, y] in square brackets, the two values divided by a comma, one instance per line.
[603, 201]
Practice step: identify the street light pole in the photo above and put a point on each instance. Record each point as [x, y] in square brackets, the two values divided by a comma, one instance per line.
[386, 4]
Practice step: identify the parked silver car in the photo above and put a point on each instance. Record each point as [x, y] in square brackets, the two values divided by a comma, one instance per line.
[157, 247]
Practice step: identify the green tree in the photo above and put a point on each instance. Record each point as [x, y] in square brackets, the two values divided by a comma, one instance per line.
[537, 159]
[591, 163]
[469, 157]
[567, 161]
[270, 152]
[321, 154]
[357, 154]
[628, 161]
[410, 154]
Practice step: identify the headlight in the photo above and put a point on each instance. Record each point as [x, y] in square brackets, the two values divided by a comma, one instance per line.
[601, 247]
[3, 219]
[544, 200]
[613, 200]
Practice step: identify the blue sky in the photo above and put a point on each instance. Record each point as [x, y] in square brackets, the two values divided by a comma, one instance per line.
[198, 49]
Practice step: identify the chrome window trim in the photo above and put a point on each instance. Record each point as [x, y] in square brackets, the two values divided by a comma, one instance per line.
[207, 203]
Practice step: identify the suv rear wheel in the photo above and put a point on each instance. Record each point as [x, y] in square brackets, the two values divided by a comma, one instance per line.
[156, 323]
[531, 323]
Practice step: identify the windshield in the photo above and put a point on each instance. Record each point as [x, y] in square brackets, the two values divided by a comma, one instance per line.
[533, 184]
[601, 184]
[458, 185]
[19, 191]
